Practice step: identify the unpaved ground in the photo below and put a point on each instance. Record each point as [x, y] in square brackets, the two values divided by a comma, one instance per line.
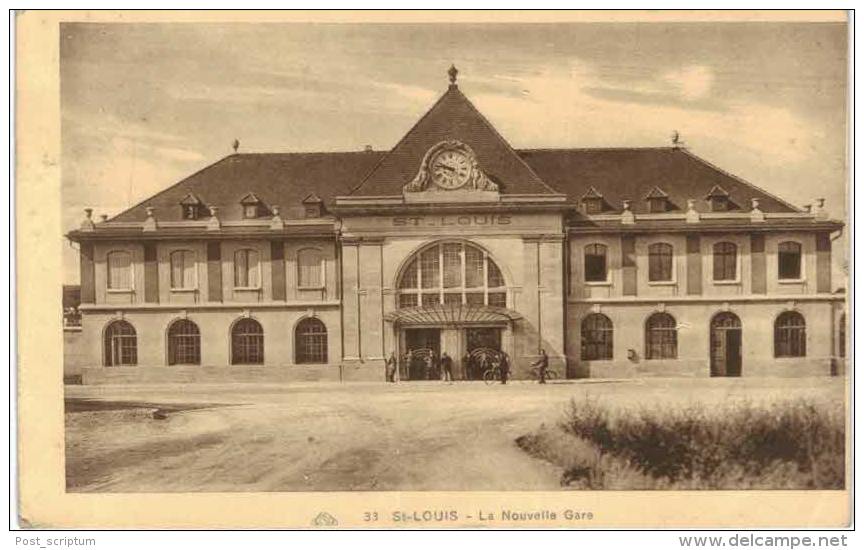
[318, 437]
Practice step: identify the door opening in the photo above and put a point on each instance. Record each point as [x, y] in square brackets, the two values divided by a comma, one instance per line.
[726, 345]
[420, 358]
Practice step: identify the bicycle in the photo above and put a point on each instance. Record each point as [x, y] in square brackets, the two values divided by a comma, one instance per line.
[551, 374]
[492, 375]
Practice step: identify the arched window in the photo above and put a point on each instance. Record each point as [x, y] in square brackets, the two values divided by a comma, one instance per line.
[182, 270]
[725, 262]
[184, 343]
[451, 273]
[247, 343]
[246, 269]
[310, 268]
[119, 270]
[595, 263]
[121, 345]
[660, 262]
[596, 337]
[661, 337]
[310, 341]
[790, 335]
[789, 260]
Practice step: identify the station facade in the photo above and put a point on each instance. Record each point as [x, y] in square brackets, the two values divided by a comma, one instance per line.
[317, 266]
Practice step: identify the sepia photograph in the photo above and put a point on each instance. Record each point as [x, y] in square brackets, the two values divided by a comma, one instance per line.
[370, 256]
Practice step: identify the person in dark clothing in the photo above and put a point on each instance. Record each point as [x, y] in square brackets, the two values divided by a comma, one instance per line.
[542, 364]
[390, 367]
[504, 365]
[446, 367]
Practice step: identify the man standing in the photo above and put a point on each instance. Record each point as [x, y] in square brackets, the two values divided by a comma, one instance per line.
[504, 366]
[390, 367]
[446, 367]
[542, 364]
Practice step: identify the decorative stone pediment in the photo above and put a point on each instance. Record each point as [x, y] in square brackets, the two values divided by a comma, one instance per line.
[450, 167]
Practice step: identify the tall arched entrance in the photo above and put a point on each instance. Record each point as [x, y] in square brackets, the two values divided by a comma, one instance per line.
[725, 345]
[451, 298]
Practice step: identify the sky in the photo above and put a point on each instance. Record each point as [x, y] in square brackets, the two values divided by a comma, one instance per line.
[144, 105]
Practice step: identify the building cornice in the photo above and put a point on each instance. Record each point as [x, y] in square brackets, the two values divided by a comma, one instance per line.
[239, 306]
[717, 299]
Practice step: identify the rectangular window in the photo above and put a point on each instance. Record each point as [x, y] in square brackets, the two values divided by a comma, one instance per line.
[595, 263]
[119, 271]
[660, 262]
[250, 210]
[310, 273]
[725, 262]
[789, 260]
[182, 270]
[657, 205]
[246, 269]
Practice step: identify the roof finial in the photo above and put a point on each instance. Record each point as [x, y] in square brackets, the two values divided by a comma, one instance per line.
[453, 71]
[236, 144]
[676, 139]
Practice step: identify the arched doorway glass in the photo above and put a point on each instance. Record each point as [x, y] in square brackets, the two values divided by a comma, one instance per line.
[184, 343]
[121, 345]
[247, 343]
[725, 345]
[451, 273]
[310, 342]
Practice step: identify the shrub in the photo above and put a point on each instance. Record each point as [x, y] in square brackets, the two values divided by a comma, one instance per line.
[784, 445]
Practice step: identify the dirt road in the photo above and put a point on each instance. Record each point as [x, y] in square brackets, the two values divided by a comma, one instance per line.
[317, 437]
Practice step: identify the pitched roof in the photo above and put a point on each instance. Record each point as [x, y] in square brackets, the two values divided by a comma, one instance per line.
[452, 117]
[283, 179]
[631, 173]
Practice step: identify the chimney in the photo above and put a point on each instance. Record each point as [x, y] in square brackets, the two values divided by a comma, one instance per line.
[368, 148]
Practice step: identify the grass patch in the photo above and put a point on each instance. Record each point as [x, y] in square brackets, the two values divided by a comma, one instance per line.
[783, 445]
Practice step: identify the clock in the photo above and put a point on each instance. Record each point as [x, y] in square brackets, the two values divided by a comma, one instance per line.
[450, 168]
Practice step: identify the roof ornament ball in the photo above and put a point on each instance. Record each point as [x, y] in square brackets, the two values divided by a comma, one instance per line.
[452, 72]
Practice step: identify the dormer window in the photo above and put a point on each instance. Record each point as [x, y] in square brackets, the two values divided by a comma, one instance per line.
[252, 206]
[592, 202]
[718, 198]
[312, 206]
[658, 201]
[191, 207]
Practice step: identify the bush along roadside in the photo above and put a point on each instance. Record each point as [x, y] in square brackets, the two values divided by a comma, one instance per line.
[783, 445]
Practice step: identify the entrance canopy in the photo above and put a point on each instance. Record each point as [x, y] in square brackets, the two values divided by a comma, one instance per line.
[452, 314]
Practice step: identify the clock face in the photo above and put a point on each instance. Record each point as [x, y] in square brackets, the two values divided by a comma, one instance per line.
[450, 169]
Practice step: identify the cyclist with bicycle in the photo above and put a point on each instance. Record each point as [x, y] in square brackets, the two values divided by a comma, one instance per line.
[542, 364]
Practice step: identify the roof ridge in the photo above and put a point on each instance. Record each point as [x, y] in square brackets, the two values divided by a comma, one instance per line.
[741, 180]
[169, 188]
[555, 149]
[507, 144]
